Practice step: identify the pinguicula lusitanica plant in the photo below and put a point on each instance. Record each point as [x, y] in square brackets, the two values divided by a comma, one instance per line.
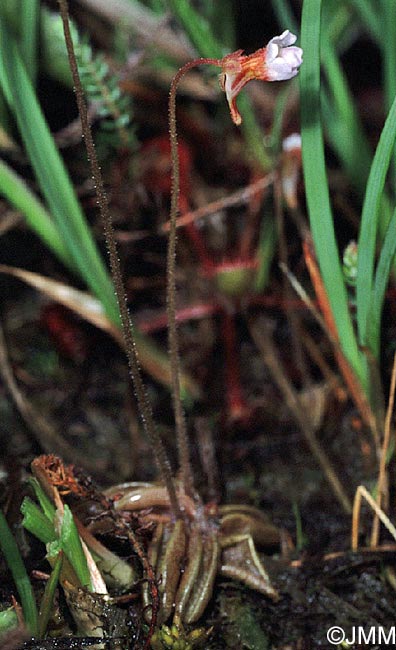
[196, 539]
[360, 345]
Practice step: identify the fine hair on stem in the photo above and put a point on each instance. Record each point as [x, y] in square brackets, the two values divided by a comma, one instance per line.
[127, 327]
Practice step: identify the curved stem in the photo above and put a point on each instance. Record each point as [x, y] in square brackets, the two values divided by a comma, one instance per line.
[173, 342]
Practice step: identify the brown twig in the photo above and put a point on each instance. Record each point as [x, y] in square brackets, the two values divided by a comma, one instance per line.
[362, 492]
[352, 382]
[240, 197]
[384, 451]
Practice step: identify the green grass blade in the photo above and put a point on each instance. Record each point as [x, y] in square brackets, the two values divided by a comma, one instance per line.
[36, 522]
[157, 6]
[343, 122]
[29, 13]
[14, 561]
[47, 600]
[23, 20]
[44, 500]
[316, 185]
[389, 62]
[66, 539]
[197, 28]
[389, 50]
[284, 15]
[14, 188]
[370, 18]
[369, 222]
[54, 61]
[70, 543]
[341, 118]
[5, 126]
[223, 22]
[381, 280]
[52, 175]
[345, 129]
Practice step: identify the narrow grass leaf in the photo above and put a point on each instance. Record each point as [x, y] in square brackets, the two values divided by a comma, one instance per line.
[345, 130]
[157, 6]
[15, 563]
[52, 175]
[44, 501]
[47, 600]
[339, 22]
[342, 120]
[14, 188]
[36, 522]
[222, 21]
[317, 192]
[70, 543]
[253, 134]
[370, 17]
[388, 250]
[197, 29]
[28, 17]
[53, 59]
[284, 15]
[369, 222]
[389, 63]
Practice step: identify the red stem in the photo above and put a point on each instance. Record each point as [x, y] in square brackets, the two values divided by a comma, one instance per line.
[236, 404]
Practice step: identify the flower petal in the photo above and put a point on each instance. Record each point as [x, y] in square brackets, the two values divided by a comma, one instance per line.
[282, 61]
[285, 39]
[279, 61]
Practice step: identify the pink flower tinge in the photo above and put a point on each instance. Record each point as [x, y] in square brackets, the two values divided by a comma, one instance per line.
[276, 62]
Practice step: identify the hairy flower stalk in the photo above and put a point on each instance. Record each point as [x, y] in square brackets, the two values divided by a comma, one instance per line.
[127, 328]
[278, 61]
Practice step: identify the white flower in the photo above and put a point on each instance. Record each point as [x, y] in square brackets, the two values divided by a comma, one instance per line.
[276, 62]
[282, 61]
